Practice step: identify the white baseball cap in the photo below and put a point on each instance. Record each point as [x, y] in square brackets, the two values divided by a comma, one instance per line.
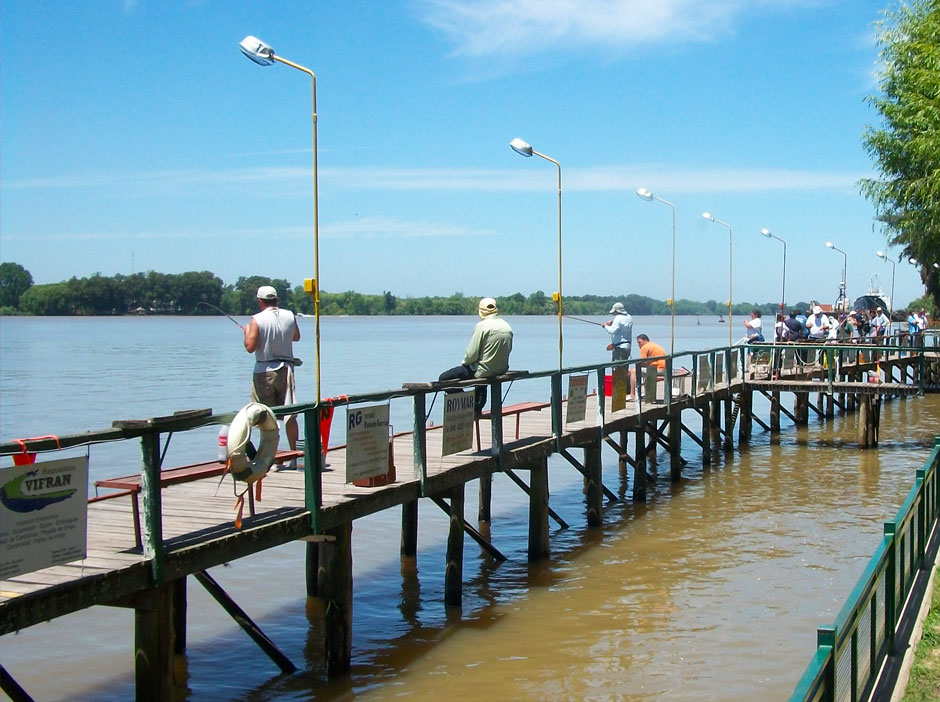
[266, 292]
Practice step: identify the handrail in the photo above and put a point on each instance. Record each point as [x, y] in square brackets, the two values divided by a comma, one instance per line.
[891, 571]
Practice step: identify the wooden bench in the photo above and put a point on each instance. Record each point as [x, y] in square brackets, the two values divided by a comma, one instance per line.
[131, 484]
[510, 410]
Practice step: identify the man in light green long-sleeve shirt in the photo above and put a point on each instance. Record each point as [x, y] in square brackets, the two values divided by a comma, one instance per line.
[488, 352]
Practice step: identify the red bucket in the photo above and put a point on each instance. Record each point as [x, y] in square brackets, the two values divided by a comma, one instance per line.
[608, 386]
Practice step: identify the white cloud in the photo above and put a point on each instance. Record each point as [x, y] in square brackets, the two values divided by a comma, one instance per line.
[479, 28]
[583, 179]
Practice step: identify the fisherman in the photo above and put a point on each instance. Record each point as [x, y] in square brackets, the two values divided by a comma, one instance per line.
[818, 324]
[488, 352]
[270, 335]
[648, 349]
[621, 330]
[754, 327]
[880, 324]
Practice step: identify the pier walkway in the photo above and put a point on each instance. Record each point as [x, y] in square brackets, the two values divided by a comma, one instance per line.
[188, 527]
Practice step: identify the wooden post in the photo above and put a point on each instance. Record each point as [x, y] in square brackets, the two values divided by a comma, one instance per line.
[538, 511]
[775, 412]
[801, 408]
[484, 510]
[335, 585]
[715, 423]
[728, 444]
[153, 510]
[154, 644]
[830, 409]
[409, 529]
[594, 494]
[179, 615]
[706, 434]
[745, 424]
[311, 568]
[639, 468]
[453, 567]
[675, 445]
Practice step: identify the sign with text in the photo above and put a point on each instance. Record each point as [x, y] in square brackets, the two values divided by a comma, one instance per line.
[458, 422]
[577, 398]
[43, 515]
[621, 377]
[366, 442]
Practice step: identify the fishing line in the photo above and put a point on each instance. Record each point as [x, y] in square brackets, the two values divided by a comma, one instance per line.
[220, 311]
[587, 321]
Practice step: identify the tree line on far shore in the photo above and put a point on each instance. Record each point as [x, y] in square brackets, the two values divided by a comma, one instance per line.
[197, 293]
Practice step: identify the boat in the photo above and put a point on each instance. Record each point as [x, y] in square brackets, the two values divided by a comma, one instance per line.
[874, 298]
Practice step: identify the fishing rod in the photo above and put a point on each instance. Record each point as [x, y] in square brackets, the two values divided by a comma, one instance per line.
[588, 321]
[220, 311]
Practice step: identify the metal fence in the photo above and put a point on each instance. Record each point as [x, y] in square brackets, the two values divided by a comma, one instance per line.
[850, 652]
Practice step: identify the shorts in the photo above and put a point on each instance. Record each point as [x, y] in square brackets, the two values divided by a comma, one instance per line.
[269, 388]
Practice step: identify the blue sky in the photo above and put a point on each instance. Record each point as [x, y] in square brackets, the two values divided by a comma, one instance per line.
[135, 136]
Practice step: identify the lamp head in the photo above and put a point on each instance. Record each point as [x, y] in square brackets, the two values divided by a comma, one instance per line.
[880, 254]
[710, 217]
[829, 245]
[937, 266]
[644, 193]
[912, 261]
[257, 50]
[520, 147]
[766, 232]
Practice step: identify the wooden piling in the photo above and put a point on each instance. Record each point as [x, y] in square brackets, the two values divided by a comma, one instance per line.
[745, 420]
[775, 412]
[484, 509]
[801, 408]
[639, 468]
[594, 493]
[539, 547]
[154, 644]
[335, 587]
[409, 529]
[675, 446]
[706, 434]
[453, 568]
[728, 443]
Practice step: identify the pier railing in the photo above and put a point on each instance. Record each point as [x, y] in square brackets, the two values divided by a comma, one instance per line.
[687, 375]
[850, 651]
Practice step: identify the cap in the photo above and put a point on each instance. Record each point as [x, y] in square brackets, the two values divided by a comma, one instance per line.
[487, 304]
[618, 307]
[266, 292]
[817, 310]
[878, 309]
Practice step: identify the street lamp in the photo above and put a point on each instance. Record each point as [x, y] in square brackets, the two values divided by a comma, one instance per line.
[712, 218]
[783, 293]
[523, 149]
[264, 55]
[648, 196]
[881, 254]
[843, 300]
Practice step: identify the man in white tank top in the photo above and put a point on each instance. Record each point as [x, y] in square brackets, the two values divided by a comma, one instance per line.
[270, 335]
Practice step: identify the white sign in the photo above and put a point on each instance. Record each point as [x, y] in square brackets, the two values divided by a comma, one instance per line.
[458, 422]
[621, 378]
[43, 515]
[577, 398]
[366, 442]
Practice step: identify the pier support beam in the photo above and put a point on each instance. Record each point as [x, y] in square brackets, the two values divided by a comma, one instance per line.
[675, 445]
[334, 587]
[801, 408]
[728, 444]
[639, 468]
[775, 412]
[154, 644]
[868, 416]
[745, 423]
[706, 434]
[453, 568]
[409, 529]
[538, 511]
[484, 509]
[594, 492]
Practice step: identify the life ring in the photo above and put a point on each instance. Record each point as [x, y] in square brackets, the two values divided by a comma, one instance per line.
[251, 470]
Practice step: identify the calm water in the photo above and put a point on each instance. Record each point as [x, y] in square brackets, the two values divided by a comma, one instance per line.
[711, 590]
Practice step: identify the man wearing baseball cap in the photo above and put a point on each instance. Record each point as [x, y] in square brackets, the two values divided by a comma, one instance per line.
[488, 352]
[270, 335]
[620, 329]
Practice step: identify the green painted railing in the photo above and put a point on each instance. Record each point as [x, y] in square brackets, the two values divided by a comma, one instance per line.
[849, 652]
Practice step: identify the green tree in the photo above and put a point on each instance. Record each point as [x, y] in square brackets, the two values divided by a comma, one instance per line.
[906, 146]
[53, 299]
[14, 281]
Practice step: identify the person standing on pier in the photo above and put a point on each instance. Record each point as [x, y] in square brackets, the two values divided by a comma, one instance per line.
[620, 329]
[488, 352]
[270, 336]
[880, 324]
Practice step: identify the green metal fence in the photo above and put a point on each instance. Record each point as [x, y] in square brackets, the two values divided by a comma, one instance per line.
[849, 652]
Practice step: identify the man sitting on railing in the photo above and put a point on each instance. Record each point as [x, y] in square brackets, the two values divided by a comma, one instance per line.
[648, 349]
[488, 352]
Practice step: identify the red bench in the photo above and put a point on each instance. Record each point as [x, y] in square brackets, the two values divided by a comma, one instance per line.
[131, 484]
[510, 410]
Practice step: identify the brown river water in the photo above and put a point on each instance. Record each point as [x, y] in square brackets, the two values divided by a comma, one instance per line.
[712, 589]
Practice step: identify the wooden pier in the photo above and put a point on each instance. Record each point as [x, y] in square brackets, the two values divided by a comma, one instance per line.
[187, 526]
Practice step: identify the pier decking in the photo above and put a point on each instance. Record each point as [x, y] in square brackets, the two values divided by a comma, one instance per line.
[189, 527]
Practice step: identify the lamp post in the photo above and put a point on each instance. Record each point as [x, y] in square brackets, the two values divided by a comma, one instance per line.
[783, 293]
[645, 194]
[523, 149]
[264, 55]
[712, 218]
[881, 254]
[845, 266]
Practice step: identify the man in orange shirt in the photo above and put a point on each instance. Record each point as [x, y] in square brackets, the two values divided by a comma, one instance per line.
[648, 350]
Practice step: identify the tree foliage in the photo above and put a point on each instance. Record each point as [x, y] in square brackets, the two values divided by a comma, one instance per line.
[906, 146]
[14, 281]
